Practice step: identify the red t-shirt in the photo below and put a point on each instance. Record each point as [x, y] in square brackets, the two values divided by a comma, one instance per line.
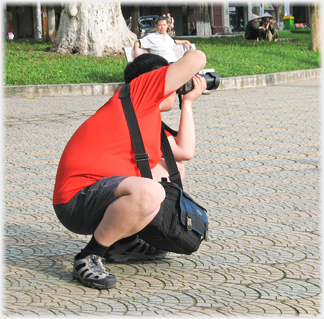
[102, 147]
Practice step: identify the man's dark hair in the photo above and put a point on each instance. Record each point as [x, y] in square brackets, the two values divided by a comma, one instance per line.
[143, 63]
[160, 19]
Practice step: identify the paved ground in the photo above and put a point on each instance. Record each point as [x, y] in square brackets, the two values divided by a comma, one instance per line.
[256, 169]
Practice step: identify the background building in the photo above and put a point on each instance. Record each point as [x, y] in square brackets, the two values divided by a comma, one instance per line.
[39, 20]
[31, 21]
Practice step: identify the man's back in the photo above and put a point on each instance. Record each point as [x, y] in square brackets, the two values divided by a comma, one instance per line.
[101, 147]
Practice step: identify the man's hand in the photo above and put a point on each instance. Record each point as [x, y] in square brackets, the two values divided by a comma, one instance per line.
[188, 43]
[200, 86]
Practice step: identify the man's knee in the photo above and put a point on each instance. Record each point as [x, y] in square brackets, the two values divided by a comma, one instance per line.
[151, 197]
[146, 194]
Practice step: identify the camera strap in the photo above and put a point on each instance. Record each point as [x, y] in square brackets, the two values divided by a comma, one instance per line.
[192, 218]
[169, 159]
[141, 156]
[180, 100]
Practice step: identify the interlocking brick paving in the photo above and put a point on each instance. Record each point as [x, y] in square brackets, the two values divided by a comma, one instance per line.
[256, 170]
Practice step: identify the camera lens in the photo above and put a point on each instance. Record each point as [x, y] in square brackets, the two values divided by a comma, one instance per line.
[212, 80]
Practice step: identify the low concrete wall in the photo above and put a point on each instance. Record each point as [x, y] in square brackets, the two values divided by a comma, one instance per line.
[61, 90]
[250, 81]
[232, 83]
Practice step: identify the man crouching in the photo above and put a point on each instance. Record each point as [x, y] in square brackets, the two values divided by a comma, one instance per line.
[99, 190]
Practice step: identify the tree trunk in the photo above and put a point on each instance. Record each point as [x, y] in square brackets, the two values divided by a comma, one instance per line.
[92, 29]
[203, 21]
[50, 24]
[315, 27]
[135, 25]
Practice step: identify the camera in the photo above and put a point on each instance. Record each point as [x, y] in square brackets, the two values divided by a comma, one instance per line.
[212, 80]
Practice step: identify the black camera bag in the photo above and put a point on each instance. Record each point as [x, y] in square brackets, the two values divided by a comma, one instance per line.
[182, 228]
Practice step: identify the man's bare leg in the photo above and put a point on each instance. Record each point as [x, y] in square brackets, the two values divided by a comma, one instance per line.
[138, 202]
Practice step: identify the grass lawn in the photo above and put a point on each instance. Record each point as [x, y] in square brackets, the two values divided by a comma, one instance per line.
[28, 62]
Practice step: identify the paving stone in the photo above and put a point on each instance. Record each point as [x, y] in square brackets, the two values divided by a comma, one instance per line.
[306, 306]
[304, 269]
[275, 255]
[266, 228]
[221, 260]
[260, 307]
[257, 171]
[310, 251]
[223, 233]
[252, 273]
[286, 289]
[309, 225]
[294, 239]
[241, 220]
[224, 295]
[246, 243]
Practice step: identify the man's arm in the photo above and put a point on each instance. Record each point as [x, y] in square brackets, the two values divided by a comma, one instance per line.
[136, 49]
[187, 42]
[184, 69]
[183, 145]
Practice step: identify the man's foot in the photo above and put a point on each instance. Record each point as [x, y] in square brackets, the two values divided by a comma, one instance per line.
[91, 273]
[135, 248]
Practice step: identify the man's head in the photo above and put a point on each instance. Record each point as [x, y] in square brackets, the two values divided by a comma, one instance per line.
[161, 25]
[143, 63]
[254, 18]
[266, 17]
